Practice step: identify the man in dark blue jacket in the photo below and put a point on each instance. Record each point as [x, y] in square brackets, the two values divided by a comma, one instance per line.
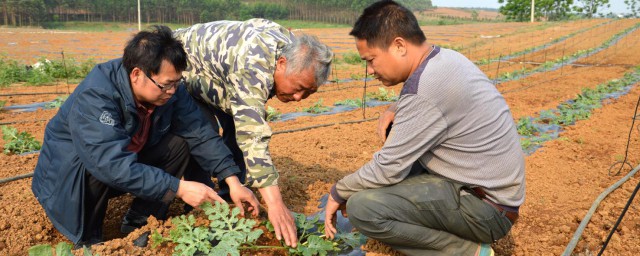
[130, 127]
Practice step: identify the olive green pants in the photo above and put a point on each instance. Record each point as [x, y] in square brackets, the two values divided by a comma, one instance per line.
[426, 215]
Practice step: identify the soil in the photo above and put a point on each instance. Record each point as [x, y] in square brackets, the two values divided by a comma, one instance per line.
[563, 178]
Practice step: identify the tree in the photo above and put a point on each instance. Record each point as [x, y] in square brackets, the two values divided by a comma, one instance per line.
[590, 7]
[634, 7]
[520, 10]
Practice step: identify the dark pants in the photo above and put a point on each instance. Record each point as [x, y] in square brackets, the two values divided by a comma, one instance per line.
[427, 215]
[171, 155]
[220, 119]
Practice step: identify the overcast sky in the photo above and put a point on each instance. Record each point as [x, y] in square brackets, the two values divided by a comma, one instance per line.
[617, 6]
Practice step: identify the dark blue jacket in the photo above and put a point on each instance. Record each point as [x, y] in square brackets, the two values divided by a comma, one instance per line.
[91, 132]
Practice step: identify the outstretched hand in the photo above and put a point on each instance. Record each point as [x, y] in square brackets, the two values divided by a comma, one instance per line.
[195, 193]
[280, 217]
[243, 194]
[330, 216]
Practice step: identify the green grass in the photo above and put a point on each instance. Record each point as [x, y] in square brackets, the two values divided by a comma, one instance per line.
[12, 72]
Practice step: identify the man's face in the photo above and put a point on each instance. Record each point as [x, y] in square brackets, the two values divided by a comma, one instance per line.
[293, 86]
[146, 87]
[384, 64]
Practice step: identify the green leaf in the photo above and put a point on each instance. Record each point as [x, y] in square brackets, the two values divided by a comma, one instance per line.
[64, 249]
[40, 250]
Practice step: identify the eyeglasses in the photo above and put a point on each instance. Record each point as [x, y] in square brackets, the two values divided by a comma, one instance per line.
[166, 87]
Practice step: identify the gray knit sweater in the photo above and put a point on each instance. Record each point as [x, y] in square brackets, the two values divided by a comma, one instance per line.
[454, 122]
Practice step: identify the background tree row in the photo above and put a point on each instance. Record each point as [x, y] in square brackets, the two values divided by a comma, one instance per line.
[37, 12]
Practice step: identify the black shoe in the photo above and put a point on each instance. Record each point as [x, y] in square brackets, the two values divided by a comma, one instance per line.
[132, 221]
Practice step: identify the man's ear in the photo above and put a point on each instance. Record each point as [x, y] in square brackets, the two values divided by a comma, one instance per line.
[134, 77]
[281, 64]
[399, 46]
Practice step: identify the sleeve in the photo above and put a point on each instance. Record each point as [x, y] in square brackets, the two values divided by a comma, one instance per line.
[417, 128]
[252, 130]
[205, 144]
[100, 140]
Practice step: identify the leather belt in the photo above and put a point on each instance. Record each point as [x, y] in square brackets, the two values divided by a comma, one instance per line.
[512, 216]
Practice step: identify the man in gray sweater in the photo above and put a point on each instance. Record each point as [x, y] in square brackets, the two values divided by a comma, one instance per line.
[449, 179]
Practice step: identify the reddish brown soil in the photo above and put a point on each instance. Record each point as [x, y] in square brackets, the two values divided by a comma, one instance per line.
[563, 178]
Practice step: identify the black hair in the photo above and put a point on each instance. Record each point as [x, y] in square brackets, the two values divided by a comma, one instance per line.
[147, 49]
[383, 21]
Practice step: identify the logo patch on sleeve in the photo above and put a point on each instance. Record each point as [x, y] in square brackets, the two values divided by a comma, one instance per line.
[107, 119]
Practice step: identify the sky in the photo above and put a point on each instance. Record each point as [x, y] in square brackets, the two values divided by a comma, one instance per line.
[617, 6]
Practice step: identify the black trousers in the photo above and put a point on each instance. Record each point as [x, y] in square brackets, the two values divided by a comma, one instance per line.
[227, 124]
[171, 155]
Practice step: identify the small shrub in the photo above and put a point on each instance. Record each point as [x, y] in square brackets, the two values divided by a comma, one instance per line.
[18, 142]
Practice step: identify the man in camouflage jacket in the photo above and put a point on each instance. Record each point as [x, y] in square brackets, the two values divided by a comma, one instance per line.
[234, 68]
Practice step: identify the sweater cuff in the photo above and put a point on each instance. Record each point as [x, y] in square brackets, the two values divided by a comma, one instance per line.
[336, 197]
[172, 191]
[232, 170]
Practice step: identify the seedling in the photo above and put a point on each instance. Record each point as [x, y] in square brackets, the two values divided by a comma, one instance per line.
[18, 142]
[57, 102]
[227, 234]
[273, 114]
[349, 102]
[62, 249]
[383, 95]
[316, 108]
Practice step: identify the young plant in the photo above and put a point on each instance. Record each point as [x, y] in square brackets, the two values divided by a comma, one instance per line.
[383, 95]
[225, 234]
[62, 249]
[18, 142]
[2, 102]
[316, 108]
[57, 102]
[349, 102]
[311, 238]
[229, 235]
[273, 114]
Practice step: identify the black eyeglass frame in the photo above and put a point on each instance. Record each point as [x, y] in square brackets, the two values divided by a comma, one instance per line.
[167, 87]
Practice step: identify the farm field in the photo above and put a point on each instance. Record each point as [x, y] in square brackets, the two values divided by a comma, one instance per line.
[564, 177]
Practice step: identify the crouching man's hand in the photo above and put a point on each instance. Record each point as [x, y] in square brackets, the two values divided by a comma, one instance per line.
[195, 193]
[240, 194]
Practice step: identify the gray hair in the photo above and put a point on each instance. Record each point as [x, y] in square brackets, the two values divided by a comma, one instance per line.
[305, 51]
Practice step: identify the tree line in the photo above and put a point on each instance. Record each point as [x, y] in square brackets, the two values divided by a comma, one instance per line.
[37, 12]
[551, 10]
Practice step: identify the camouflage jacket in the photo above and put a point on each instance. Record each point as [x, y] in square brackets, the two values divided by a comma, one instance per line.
[231, 66]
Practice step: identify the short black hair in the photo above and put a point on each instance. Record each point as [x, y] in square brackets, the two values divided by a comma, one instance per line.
[147, 49]
[383, 21]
